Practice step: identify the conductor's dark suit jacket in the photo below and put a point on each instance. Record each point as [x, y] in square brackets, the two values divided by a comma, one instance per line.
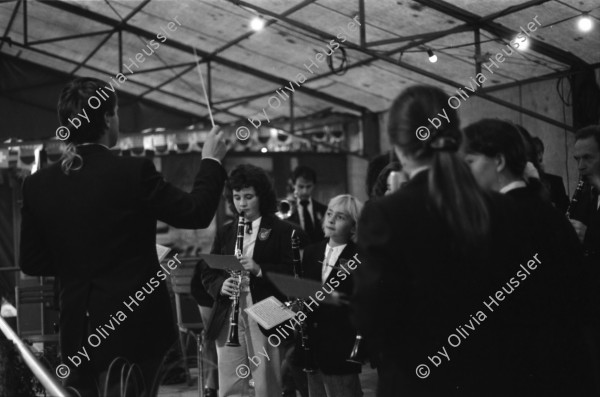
[331, 333]
[416, 290]
[272, 252]
[96, 230]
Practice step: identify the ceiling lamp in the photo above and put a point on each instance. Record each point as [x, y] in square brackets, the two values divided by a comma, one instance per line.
[585, 23]
[432, 56]
[257, 24]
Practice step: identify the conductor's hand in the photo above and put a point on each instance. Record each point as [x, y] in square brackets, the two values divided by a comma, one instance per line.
[214, 146]
[580, 228]
[249, 265]
[230, 286]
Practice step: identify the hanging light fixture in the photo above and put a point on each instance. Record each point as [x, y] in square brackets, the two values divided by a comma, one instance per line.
[585, 23]
[432, 56]
[257, 24]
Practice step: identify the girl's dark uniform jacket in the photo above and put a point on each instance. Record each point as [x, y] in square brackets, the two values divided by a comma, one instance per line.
[272, 252]
[331, 333]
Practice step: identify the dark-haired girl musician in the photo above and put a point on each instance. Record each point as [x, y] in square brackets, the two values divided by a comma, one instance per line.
[266, 248]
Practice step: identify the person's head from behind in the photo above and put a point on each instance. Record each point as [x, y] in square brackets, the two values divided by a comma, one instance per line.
[413, 108]
[452, 190]
[79, 102]
[496, 153]
[587, 153]
[538, 144]
[304, 180]
[250, 191]
[390, 179]
[341, 219]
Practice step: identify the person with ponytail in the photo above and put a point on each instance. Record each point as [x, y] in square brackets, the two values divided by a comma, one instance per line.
[90, 221]
[434, 250]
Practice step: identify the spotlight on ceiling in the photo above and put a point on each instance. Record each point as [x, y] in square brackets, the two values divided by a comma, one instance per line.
[585, 23]
[522, 42]
[257, 24]
[264, 150]
[432, 56]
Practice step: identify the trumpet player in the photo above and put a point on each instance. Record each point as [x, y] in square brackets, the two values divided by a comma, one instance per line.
[331, 334]
[266, 247]
[308, 212]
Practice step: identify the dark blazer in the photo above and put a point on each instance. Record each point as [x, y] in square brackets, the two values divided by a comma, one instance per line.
[96, 230]
[555, 186]
[331, 333]
[272, 252]
[318, 215]
[417, 289]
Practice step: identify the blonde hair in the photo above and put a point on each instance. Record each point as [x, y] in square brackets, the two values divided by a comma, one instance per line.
[70, 160]
[349, 205]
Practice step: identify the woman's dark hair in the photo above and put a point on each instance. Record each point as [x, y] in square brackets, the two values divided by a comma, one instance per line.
[493, 137]
[381, 184]
[453, 191]
[530, 148]
[82, 94]
[248, 175]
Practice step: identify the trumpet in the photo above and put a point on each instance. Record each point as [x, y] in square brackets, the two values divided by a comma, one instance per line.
[233, 337]
[285, 208]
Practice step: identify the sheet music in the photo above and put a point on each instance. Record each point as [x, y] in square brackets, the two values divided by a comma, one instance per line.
[162, 252]
[270, 312]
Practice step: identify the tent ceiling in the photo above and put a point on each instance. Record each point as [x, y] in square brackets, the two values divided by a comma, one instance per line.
[246, 67]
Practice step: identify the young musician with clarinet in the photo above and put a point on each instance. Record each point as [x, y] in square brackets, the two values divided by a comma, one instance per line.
[262, 243]
[331, 336]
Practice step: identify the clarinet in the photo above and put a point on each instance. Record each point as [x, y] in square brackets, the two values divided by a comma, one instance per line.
[297, 263]
[577, 208]
[233, 337]
[354, 354]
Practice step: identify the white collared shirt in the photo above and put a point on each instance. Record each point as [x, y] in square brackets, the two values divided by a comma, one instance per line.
[333, 257]
[512, 186]
[310, 211]
[417, 170]
[250, 239]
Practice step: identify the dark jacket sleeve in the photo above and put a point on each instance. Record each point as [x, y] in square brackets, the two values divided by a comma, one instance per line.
[374, 237]
[213, 279]
[197, 288]
[169, 204]
[35, 259]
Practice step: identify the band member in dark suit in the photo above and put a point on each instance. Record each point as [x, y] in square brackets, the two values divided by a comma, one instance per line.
[331, 333]
[553, 183]
[309, 212]
[554, 308]
[435, 251]
[90, 220]
[205, 304]
[587, 155]
[266, 248]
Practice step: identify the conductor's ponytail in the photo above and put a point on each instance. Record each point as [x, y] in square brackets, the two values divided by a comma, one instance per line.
[70, 160]
[453, 191]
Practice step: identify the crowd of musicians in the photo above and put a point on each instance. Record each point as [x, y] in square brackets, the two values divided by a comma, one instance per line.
[442, 245]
